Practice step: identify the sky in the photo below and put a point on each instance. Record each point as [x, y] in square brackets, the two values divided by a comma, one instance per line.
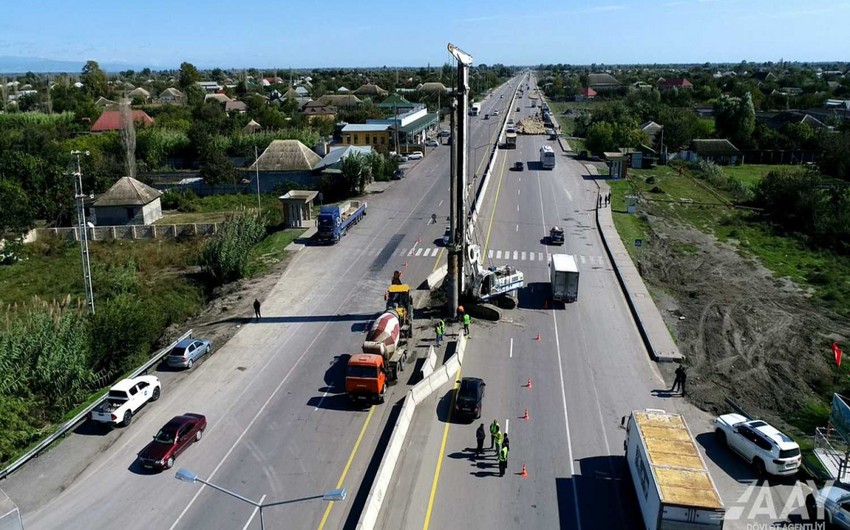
[269, 34]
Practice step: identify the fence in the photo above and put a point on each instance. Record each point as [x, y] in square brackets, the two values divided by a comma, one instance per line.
[764, 156]
[129, 232]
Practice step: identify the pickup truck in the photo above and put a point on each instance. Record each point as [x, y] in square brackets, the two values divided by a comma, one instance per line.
[125, 399]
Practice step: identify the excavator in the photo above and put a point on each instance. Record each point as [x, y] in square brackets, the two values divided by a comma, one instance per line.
[498, 285]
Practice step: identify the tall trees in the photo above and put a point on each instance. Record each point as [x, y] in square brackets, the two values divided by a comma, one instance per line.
[188, 75]
[94, 80]
[735, 118]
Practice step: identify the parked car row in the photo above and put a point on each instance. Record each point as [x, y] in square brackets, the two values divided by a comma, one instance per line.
[128, 396]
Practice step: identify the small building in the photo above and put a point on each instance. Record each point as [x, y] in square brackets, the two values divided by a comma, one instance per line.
[680, 83]
[210, 87]
[110, 120]
[396, 104]
[128, 202]
[371, 90]
[218, 98]
[302, 91]
[103, 102]
[139, 93]
[586, 93]
[719, 151]
[333, 160]
[433, 88]
[172, 96]
[239, 107]
[297, 207]
[252, 128]
[651, 130]
[602, 82]
[341, 101]
[376, 135]
[618, 164]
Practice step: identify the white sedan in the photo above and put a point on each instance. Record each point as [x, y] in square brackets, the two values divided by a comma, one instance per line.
[416, 155]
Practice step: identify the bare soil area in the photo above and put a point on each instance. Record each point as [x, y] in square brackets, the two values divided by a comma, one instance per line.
[746, 334]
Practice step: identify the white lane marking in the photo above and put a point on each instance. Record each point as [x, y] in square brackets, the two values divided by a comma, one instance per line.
[517, 228]
[440, 204]
[253, 513]
[490, 254]
[322, 399]
[523, 256]
[418, 251]
[563, 388]
[511, 354]
[507, 425]
[516, 254]
[583, 261]
[498, 254]
[540, 256]
[519, 192]
[411, 252]
[435, 252]
[570, 197]
[517, 207]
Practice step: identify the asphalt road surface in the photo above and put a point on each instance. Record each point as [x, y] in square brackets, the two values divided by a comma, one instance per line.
[279, 428]
[588, 369]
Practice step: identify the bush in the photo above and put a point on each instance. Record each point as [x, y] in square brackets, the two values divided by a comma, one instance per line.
[182, 200]
[122, 332]
[225, 257]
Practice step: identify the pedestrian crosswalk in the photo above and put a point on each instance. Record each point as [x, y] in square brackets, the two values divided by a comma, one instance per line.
[493, 255]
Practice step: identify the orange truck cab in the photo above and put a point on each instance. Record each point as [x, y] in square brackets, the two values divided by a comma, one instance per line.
[366, 377]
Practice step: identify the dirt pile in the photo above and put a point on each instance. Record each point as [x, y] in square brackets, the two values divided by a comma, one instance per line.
[531, 125]
[746, 334]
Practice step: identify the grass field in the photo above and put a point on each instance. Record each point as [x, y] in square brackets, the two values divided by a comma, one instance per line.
[217, 208]
[751, 174]
[686, 199]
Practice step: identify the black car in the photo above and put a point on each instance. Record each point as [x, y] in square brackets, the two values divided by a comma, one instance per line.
[518, 165]
[398, 174]
[469, 397]
[556, 236]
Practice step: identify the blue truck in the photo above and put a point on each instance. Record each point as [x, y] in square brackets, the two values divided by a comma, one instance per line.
[335, 219]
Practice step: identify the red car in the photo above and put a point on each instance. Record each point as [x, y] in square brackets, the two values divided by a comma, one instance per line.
[178, 434]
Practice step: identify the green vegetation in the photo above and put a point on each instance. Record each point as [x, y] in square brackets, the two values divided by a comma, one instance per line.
[690, 198]
[270, 251]
[751, 174]
[224, 257]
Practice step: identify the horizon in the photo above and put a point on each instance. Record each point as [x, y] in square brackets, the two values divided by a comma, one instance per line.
[625, 32]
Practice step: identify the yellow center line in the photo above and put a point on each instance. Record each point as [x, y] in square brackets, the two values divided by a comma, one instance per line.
[348, 465]
[495, 202]
[440, 459]
[454, 395]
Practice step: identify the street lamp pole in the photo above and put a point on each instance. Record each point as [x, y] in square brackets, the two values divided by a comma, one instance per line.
[80, 198]
[184, 475]
[257, 172]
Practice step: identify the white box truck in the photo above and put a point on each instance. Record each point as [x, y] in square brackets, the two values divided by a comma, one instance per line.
[563, 273]
[674, 489]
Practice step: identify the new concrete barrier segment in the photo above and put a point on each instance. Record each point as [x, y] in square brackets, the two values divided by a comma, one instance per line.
[415, 395]
[653, 331]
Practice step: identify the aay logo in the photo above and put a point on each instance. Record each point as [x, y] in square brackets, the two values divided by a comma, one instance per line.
[759, 501]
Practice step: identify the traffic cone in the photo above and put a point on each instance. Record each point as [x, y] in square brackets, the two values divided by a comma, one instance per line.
[538, 337]
[523, 474]
[525, 417]
[528, 385]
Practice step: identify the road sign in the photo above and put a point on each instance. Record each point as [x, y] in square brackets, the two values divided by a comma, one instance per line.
[638, 242]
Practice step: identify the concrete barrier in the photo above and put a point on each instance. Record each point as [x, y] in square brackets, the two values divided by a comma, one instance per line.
[434, 279]
[430, 362]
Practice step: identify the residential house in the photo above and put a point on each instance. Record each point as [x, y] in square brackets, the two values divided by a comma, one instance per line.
[139, 93]
[302, 91]
[396, 104]
[370, 90]
[315, 110]
[222, 99]
[239, 107]
[341, 101]
[252, 128]
[433, 88]
[680, 83]
[210, 87]
[333, 160]
[281, 162]
[342, 90]
[110, 120]
[586, 93]
[719, 151]
[128, 202]
[652, 131]
[172, 96]
[764, 77]
[602, 82]
[641, 85]
[376, 135]
[103, 102]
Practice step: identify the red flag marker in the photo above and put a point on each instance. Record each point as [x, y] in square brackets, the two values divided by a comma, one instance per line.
[837, 352]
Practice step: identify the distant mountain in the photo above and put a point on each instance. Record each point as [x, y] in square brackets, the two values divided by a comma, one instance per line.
[22, 65]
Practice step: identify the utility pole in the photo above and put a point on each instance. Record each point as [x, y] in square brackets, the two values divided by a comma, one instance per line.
[257, 172]
[457, 240]
[81, 221]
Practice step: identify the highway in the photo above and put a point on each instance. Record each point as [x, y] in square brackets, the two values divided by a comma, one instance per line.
[588, 369]
[279, 428]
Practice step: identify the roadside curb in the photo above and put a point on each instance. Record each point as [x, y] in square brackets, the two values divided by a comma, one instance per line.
[295, 247]
[656, 337]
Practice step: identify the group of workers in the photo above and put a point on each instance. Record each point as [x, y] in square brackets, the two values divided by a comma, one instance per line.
[498, 440]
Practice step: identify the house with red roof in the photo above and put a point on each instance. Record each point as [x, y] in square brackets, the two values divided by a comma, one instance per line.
[586, 93]
[111, 120]
[674, 83]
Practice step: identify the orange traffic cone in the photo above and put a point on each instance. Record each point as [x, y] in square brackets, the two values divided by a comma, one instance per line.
[538, 337]
[528, 385]
[525, 417]
[523, 474]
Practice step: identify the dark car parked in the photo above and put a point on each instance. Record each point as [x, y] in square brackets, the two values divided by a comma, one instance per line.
[174, 437]
[469, 397]
[556, 236]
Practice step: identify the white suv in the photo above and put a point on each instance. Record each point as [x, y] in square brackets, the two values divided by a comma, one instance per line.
[767, 449]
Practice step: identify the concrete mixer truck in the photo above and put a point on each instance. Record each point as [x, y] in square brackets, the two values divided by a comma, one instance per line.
[385, 349]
